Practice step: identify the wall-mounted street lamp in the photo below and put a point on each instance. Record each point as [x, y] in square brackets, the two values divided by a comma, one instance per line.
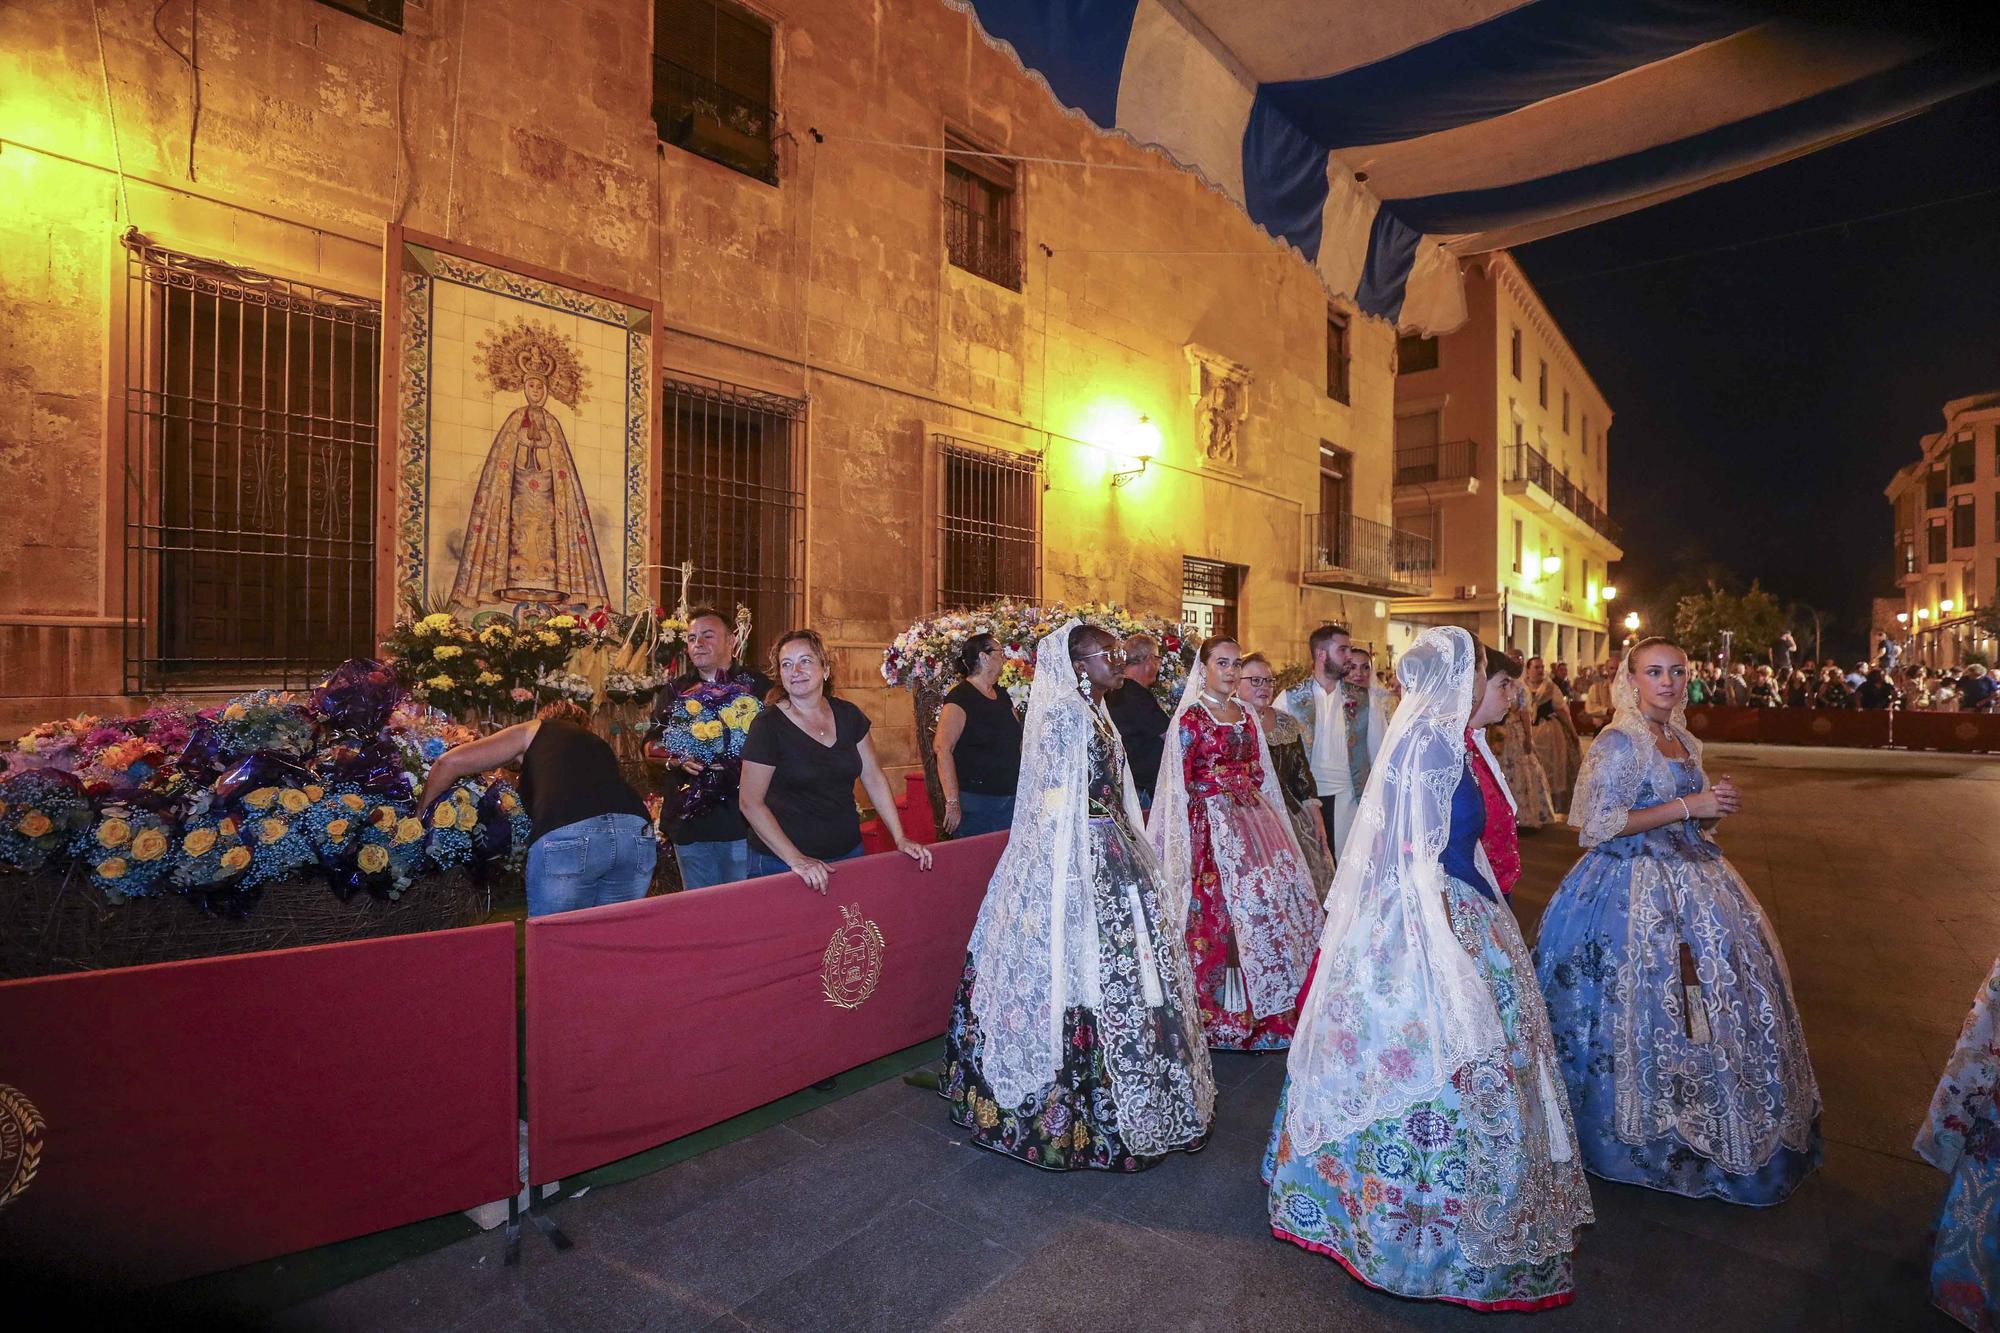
[1947, 606]
[1551, 564]
[1141, 441]
[1632, 621]
[1902, 617]
[1609, 592]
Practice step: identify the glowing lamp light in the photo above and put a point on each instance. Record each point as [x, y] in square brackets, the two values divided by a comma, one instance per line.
[1609, 592]
[1946, 605]
[1551, 563]
[1136, 443]
[1923, 613]
[1902, 617]
[1632, 621]
[1381, 610]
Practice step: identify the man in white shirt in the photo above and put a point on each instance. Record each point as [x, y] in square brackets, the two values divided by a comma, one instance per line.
[1342, 726]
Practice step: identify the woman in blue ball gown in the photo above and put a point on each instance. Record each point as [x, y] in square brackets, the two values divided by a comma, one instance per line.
[1422, 1140]
[1667, 993]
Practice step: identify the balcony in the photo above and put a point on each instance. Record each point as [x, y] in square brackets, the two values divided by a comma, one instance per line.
[983, 244]
[1357, 555]
[1440, 469]
[1533, 479]
[702, 116]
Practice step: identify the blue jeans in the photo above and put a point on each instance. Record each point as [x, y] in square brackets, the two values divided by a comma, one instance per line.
[604, 859]
[979, 814]
[704, 864]
[763, 863]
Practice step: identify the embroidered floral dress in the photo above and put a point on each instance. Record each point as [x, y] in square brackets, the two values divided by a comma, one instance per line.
[1961, 1137]
[1287, 743]
[1710, 1099]
[1523, 772]
[1252, 907]
[1438, 1202]
[1073, 1124]
[1554, 733]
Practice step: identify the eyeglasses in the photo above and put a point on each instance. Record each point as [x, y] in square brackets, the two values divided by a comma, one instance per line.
[1256, 680]
[1112, 655]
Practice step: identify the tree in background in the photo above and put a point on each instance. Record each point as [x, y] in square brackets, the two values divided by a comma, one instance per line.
[1753, 617]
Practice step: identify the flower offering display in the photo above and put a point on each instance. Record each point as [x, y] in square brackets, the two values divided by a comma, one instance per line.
[214, 805]
[925, 656]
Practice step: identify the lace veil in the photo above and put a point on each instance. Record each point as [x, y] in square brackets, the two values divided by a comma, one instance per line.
[1396, 1005]
[1621, 759]
[1167, 827]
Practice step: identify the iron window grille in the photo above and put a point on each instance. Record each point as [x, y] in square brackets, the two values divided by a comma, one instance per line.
[980, 231]
[248, 500]
[712, 84]
[382, 13]
[735, 499]
[1210, 591]
[988, 541]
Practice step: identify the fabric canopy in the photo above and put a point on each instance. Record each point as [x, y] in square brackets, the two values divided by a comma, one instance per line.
[1384, 140]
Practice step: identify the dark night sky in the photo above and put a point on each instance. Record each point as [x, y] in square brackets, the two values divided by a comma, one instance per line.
[1763, 396]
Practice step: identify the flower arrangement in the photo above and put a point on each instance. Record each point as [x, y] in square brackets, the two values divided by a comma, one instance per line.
[926, 654]
[627, 687]
[127, 851]
[551, 685]
[40, 808]
[709, 723]
[170, 801]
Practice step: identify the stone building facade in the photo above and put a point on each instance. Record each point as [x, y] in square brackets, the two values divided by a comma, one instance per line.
[1502, 456]
[910, 324]
[1947, 553]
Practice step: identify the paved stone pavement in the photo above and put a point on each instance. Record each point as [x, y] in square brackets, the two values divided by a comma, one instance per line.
[873, 1213]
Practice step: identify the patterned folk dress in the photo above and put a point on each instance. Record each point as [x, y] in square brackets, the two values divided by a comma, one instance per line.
[1439, 1201]
[1514, 747]
[1073, 1123]
[1252, 906]
[1961, 1137]
[1670, 1003]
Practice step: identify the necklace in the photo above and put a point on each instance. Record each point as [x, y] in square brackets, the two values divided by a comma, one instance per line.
[813, 728]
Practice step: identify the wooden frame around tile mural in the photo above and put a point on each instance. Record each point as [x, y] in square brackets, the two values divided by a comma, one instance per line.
[522, 475]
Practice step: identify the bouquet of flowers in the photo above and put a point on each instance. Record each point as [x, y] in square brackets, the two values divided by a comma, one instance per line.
[266, 722]
[503, 832]
[626, 687]
[709, 724]
[40, 808]
[553, 685]
[127, 850]
[443, 663]
[540, 649]
[212, 855]
[926, 654]
[453, 822]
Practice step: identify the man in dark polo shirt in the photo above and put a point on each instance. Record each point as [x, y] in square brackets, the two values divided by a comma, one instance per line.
[1141, 721]
[711, 846]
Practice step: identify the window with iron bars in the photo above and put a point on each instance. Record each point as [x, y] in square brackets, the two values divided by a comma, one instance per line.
[248, 500]
[735, 501]
[382, 13]
[712, 84]
[982, 234]
[989, 524]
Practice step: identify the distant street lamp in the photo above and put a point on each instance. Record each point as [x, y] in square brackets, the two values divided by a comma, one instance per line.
[1946, 605]
[1902, 617]
[1609, 592]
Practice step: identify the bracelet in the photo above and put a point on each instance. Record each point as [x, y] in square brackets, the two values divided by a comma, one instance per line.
[951, 800]
[1685, 812]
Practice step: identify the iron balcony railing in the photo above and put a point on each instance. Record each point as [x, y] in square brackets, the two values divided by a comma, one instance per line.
[1423, 463]
[1377, 554]
[1529, 464]
[981, 243]
[697, 113]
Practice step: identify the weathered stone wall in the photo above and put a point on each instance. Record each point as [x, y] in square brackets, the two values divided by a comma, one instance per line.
[524, 129]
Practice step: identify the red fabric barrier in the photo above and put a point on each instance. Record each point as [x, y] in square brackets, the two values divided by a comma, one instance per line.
[652, 1019]
[1964, 733]
[1720, 722]
[205, 1114]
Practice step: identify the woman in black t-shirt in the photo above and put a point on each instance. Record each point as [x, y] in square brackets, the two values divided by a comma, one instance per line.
[800, 763]
[978, 744]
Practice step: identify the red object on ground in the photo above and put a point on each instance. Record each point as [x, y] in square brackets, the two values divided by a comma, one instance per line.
[205, 1114]
[653, 1019]
[913, 807]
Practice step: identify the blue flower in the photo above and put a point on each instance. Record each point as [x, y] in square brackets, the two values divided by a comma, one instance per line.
[1394, 1161]
[1301, 1213]
[1427, 1129]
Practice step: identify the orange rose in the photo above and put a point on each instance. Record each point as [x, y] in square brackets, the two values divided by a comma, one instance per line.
[34, 824]
[236, 858]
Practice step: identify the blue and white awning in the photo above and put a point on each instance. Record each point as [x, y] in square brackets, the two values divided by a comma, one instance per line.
[1385, 139]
